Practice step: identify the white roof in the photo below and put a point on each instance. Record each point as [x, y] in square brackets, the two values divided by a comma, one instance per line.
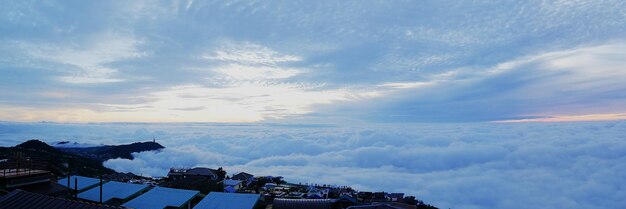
[112, 190]
[219, 200]
[161, 197]
[83, 182]
[230, 182]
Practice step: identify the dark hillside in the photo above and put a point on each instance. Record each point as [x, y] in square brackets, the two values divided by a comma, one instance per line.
[103, 153]
[39, 155]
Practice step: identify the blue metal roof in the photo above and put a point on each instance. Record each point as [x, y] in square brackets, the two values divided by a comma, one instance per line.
[83, 182]
[112, 190]
[219, 200]
[230, 182]
[19, 199]
[161, 197]
[230, 189]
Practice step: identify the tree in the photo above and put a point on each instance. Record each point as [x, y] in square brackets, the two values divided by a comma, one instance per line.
[221, 174]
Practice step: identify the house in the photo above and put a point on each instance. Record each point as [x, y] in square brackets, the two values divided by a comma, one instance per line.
[243, 176]
[28, 179]
[410, 200]
[315, 193]
[123, 177]
[269, 186]
[294, 195]
[365, 196]
[16, 177]
[231, 185]
[379, 197]
[396, 197]
[181, 173]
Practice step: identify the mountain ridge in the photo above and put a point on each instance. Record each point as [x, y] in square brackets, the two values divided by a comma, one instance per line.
[78, 161]
[106, 152]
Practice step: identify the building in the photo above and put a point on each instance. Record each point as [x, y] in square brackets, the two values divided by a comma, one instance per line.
[31, 180]
[19, 173]
[231, 185]
[396, 197]
[123, 177]
[219, 200]
[181, 173]
[245, 177]
[379, 197]
[269, 186]
[365, 196]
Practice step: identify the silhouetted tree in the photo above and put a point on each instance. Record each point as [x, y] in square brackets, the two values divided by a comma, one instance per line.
[221, 174]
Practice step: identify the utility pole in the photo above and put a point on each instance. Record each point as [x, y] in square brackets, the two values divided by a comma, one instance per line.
[100, 189]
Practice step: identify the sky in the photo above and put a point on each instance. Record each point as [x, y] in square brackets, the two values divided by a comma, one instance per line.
[295, 61]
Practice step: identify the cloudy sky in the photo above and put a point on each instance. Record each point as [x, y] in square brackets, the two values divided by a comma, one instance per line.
[250, 61]
[466, 104]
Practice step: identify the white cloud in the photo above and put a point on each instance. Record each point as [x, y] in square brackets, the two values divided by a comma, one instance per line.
[249, 54]
[87, 63]
[570, 82]
[521, 165]
[237, 72]
[407, 85]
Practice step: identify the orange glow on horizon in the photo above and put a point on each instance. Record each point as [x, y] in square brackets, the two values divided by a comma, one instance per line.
[571, 118]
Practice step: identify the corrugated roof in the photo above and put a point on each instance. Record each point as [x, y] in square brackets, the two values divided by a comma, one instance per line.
[219, 200]
[83, 182]
[280, 203]
[19, 199]
[161, 197]
[389, 205]
[112, 190]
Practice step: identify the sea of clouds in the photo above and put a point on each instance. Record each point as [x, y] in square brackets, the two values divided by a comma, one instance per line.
[471, 165]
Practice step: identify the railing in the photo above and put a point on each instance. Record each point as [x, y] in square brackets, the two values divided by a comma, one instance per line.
[11, 168]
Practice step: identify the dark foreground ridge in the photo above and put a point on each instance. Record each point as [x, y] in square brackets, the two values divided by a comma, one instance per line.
[103, 153]
[39, 155]
[81, 161]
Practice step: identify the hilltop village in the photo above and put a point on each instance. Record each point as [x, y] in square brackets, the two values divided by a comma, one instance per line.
[29, 178]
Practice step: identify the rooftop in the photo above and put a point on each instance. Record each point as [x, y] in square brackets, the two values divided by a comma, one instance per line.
[19, 199]
[83, 182]
[219, 200]
[161, 197]
[112, 189]
[243, 176]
